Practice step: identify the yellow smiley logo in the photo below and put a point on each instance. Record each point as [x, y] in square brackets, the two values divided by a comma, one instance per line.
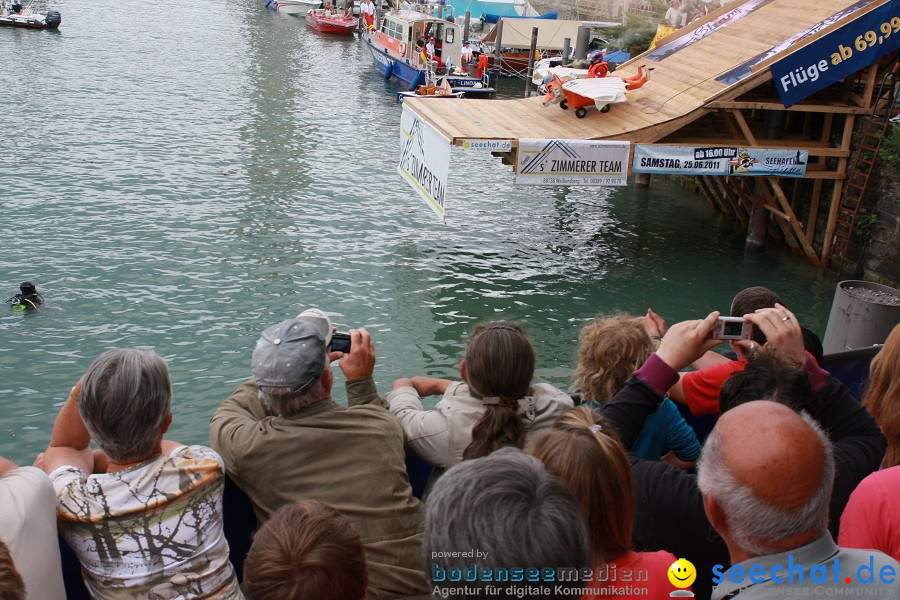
[682, 573]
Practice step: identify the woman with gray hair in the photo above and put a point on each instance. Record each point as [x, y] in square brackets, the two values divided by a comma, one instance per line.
[143, 514]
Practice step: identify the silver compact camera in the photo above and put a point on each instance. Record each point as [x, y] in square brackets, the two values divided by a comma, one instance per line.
[732, 328]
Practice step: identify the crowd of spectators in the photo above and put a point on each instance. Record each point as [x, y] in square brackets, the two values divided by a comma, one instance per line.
[599, 492]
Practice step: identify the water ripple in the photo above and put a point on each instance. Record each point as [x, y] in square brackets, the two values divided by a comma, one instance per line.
[182, 183]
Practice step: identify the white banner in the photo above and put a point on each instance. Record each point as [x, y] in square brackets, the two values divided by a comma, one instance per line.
[679, 160]
[424, 159]
[719, 160]
[572, 162]
[769, 161]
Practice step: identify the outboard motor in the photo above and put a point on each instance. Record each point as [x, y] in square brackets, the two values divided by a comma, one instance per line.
[53, 19]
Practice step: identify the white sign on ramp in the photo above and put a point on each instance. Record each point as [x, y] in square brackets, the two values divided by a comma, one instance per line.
[572, 162]
[424, 159]
[492, 145]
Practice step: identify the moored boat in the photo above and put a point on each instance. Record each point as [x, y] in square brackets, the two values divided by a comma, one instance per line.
[293, 7]
[430, 89]
[31, 20]
[331, 23]
[396, 55]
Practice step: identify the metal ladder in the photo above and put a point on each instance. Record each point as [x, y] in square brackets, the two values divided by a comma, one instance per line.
[861, 169]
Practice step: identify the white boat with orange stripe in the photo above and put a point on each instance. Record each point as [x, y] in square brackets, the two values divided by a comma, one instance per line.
[397, 56]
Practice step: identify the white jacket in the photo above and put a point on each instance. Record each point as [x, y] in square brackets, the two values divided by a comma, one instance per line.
[441, 435]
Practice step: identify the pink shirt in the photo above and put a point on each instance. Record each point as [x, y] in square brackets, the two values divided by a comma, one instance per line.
[637, 575]
[871, 520]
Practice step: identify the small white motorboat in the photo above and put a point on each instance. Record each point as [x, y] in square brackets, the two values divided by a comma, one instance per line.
[27, 17]
[293, 7]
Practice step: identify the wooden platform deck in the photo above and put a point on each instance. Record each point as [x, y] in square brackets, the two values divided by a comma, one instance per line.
[682, 88]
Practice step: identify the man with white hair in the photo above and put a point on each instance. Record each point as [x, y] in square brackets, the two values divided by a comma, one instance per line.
[669, 508]
[284, 439]
[766, 474]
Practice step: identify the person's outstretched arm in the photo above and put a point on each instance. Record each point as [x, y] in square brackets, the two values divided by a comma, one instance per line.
[427, 431]
[683, 343]
[358, 365]
[70, 442]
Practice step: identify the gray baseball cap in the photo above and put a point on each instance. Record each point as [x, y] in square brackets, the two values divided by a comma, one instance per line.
[294, 353]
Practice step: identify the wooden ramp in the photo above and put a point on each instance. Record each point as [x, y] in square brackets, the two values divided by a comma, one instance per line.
[684, 86]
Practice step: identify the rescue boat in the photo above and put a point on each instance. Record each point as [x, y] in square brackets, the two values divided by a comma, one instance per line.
[397, 56]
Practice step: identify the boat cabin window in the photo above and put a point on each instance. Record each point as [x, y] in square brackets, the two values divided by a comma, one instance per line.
[449, 36]
[394, 29]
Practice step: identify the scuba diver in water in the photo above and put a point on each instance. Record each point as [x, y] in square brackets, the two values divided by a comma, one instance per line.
[28, 298]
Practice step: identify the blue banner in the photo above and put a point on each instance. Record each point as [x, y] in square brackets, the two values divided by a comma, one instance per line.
[745, 69]
[842, 52]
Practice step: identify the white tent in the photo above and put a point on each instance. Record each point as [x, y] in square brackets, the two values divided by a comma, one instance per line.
[551, 33]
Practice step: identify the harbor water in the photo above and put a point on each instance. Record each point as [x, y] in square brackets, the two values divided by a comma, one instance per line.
[179, 177]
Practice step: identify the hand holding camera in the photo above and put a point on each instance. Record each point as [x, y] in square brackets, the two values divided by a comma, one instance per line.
[359, 358]
[687, 341]
[782, 331]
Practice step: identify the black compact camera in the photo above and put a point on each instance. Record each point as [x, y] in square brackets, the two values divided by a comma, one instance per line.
[340, 342]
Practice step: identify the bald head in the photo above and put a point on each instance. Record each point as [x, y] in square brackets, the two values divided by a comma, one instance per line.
[769, 448]
[770, 471]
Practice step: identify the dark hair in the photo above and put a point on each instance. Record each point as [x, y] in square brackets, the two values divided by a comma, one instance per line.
[749, 300]
[499, 364]
[812, 344]
[306, 550]
[767, 377]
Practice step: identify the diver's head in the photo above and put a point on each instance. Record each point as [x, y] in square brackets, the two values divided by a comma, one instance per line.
[28, 288]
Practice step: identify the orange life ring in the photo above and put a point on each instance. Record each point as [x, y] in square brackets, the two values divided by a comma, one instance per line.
[402, 49]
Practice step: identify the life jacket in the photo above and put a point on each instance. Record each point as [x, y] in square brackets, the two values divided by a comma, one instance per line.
[598, 70]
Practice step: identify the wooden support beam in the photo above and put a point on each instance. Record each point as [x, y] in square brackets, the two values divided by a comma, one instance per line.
[835, 205]
[713, 201]
[729, 123]
[813, 215]
[777, 213]
[744, 200]
[856, 98]
[871, 78]
[795, 223]
[820, 107]
[826, 128]
[783, 225]
[745, 128]
[716, 191]
[737, 210]
[813, 174]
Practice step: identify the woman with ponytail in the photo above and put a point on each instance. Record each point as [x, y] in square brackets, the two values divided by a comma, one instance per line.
[496, 404]
[584, 452]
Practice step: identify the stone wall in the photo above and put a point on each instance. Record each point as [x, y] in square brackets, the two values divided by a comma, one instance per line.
[881, 260]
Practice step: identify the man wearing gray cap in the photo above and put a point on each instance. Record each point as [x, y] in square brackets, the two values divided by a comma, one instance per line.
[284, 439]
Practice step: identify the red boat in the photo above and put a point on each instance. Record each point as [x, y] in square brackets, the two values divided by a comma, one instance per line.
[330, 24]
